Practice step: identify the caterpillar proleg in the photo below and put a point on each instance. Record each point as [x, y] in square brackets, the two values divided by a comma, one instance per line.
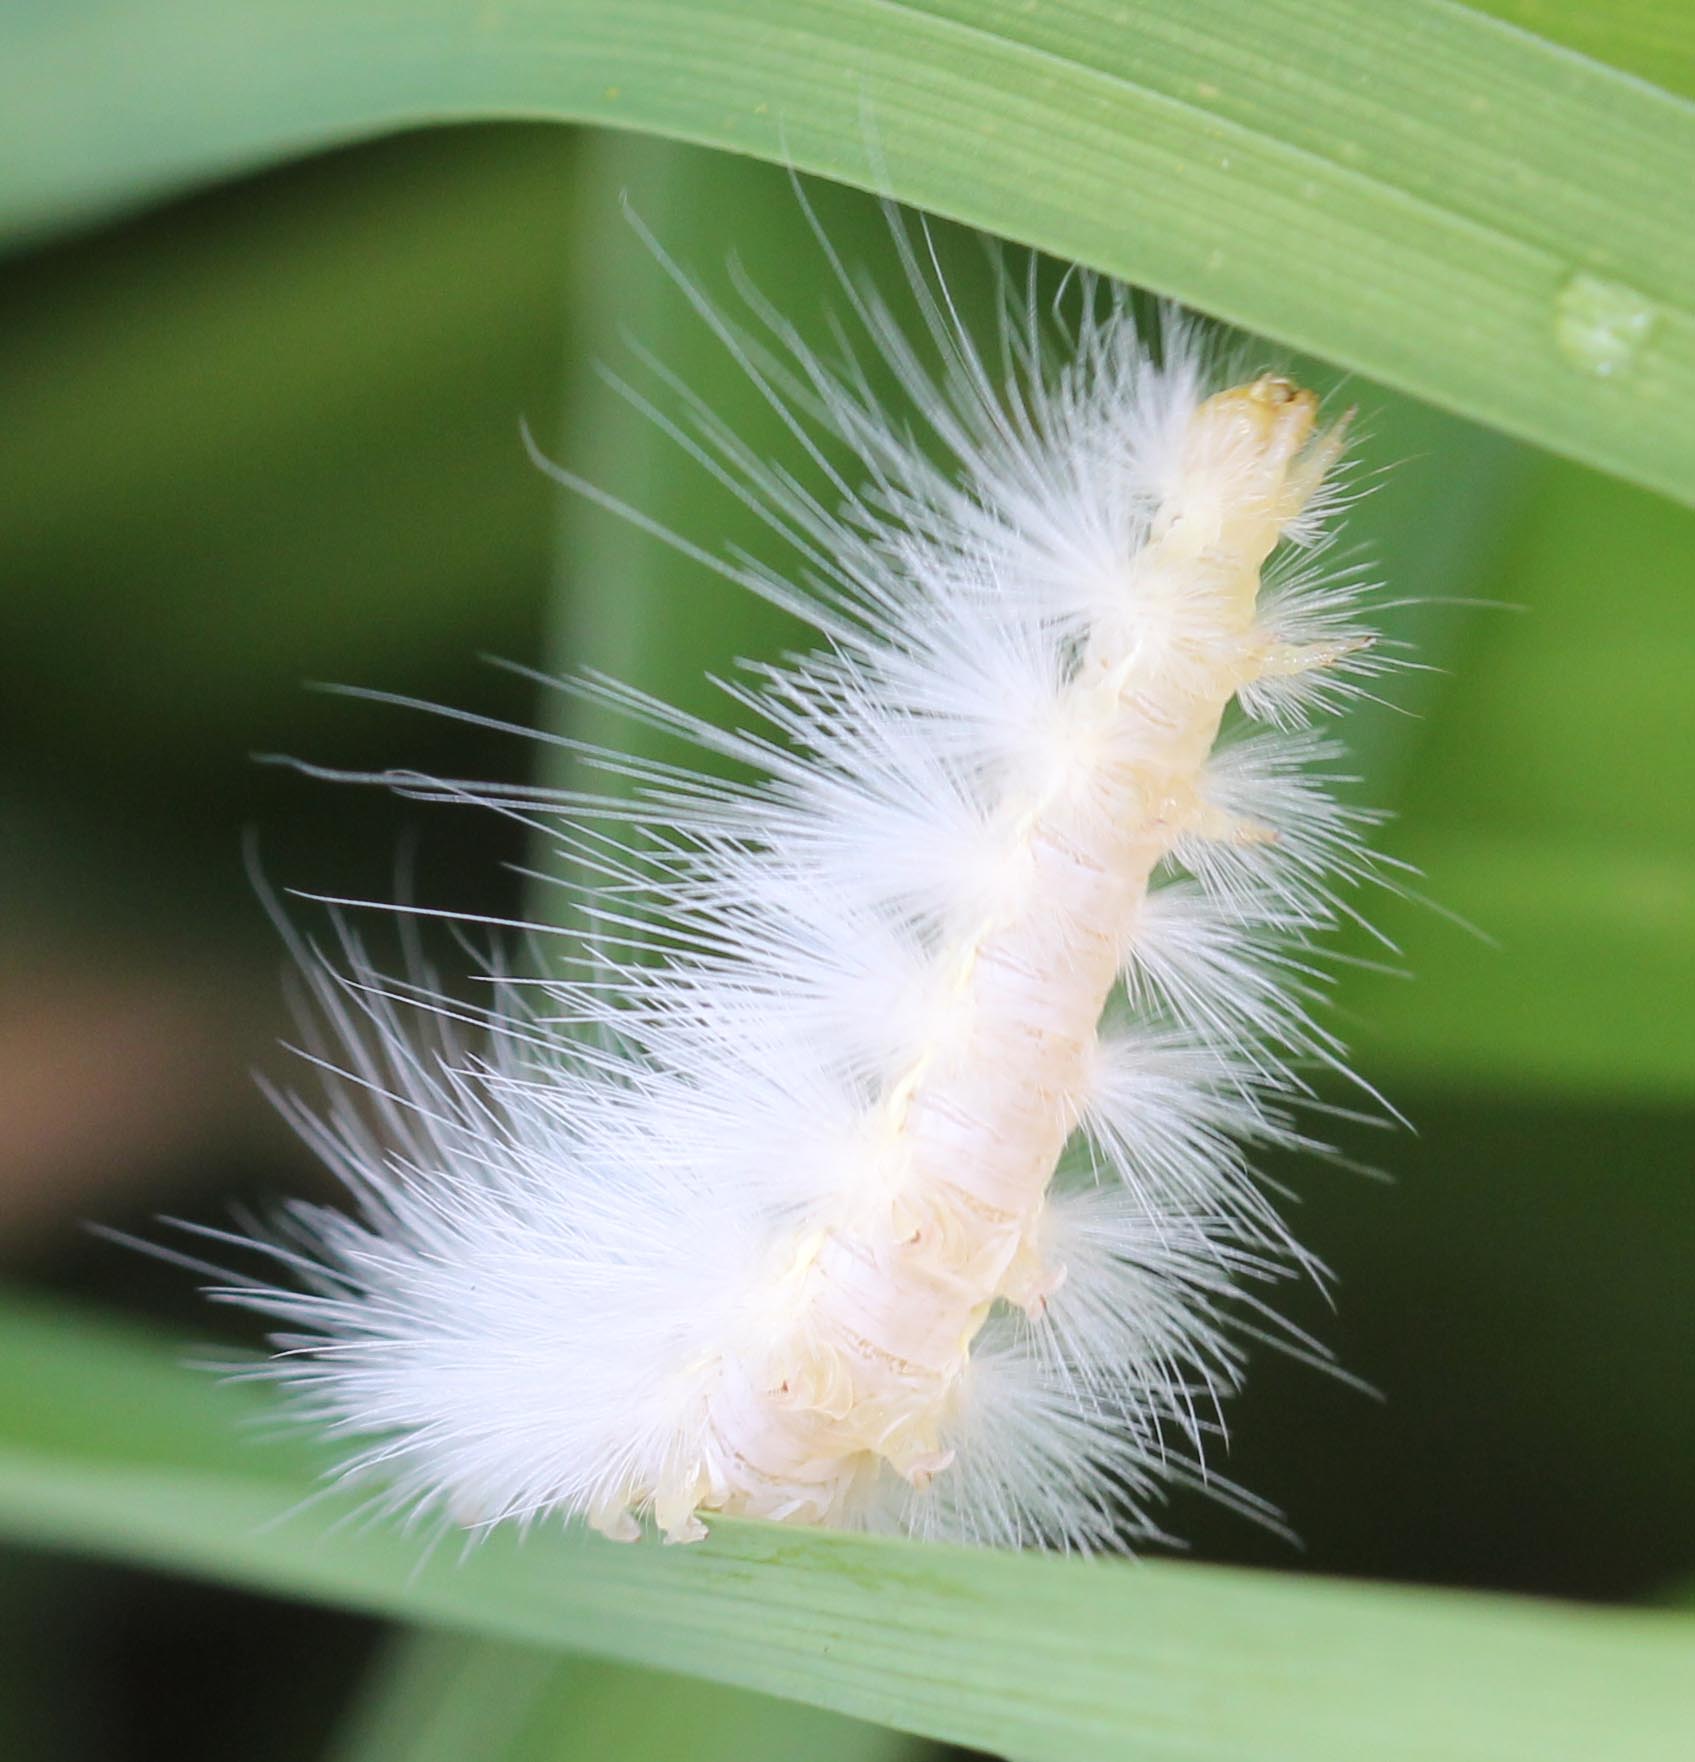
[879, 1157]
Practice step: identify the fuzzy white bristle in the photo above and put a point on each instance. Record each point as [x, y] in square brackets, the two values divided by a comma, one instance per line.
[881, 1159]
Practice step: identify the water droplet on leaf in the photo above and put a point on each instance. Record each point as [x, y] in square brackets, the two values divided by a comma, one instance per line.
[1599, 325]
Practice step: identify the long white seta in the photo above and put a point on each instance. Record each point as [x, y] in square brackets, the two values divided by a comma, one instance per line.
[879, 1159]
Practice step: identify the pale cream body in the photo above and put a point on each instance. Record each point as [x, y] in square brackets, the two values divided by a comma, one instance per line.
[852, 1356]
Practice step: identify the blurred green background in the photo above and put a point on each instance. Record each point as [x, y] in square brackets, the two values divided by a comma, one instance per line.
[269, 435]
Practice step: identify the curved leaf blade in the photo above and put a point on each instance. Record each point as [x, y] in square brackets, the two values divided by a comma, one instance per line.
[1419, 192]
[108, 1447]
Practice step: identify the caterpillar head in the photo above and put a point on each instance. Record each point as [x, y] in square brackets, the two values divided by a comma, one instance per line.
[1253, 459]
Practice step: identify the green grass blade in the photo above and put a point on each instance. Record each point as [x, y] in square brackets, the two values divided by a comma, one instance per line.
[1427, 195]
[108, 1447]
[447, 1697]
[1654, 39]
[438, 1697]
[1582, 990]
[1543, 806]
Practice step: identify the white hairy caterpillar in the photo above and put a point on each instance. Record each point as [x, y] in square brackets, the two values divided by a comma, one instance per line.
[878, 1160]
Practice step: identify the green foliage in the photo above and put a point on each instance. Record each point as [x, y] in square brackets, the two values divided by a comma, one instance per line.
[1491, 221]
[1543, 811]
[1453, 207]
[443, 1697]
[109, 1446]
